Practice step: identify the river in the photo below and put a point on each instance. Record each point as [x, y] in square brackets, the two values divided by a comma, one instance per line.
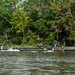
[37, 63]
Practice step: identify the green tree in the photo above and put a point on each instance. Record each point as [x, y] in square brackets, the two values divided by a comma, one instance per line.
[6, 9]
[19, 21]
[64, 20]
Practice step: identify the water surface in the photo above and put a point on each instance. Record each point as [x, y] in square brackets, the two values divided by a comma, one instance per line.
[37, 63]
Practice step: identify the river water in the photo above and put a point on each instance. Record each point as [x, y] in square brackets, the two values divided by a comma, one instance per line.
[37, 63]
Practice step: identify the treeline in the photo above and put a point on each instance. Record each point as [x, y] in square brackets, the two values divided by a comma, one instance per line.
[23, 20]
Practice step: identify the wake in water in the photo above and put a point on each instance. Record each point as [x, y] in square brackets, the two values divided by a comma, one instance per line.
[52, 50]
[10, 49]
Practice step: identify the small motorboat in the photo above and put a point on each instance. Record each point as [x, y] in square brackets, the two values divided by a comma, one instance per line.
[11, 50]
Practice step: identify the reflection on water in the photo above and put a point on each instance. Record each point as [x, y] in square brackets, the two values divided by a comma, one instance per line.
[37, 63]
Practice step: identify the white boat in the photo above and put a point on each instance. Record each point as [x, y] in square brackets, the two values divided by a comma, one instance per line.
[11, 50]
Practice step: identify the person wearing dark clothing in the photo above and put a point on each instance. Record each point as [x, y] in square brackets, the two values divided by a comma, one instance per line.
[6, 43]
[6, 37]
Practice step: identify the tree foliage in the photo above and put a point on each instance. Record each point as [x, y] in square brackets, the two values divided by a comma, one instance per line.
[19, 20]
[27, 18]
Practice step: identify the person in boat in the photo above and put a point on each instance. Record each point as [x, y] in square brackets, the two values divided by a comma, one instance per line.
[6, 37]
[55, 43]
[6, 43]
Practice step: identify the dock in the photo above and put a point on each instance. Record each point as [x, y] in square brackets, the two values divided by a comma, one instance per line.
[31, 48]
[26, 48]
[64, 48]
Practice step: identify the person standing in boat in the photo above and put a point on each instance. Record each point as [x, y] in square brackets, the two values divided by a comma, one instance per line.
[6, 37]
[5, 43]
[55, 43]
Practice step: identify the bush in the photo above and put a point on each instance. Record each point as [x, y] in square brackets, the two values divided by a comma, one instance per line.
[16, 40]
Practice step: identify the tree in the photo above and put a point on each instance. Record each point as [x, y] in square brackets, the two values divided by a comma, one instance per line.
[6, 9]
[19, 21]
[64, 20]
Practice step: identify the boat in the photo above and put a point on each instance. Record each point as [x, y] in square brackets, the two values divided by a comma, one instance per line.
[24, 48]
[11, 50]
[4, 48]
[31, 48]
